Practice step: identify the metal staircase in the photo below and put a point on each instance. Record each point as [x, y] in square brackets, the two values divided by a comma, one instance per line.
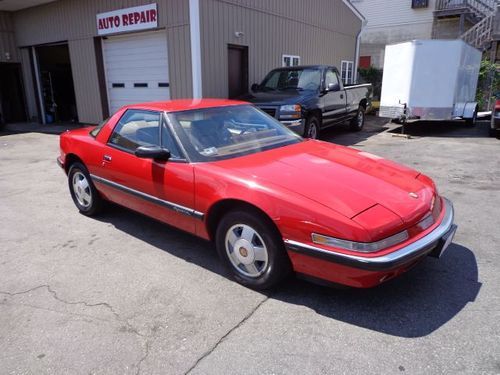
[482, 14]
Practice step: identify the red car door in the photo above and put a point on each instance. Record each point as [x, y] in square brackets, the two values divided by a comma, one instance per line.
[160, 189]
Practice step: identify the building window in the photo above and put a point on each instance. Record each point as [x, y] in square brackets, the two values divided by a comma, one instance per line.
[346, 71]
[290, 60]
[419, 4]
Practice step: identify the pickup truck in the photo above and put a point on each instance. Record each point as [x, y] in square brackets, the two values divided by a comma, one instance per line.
[308, 99]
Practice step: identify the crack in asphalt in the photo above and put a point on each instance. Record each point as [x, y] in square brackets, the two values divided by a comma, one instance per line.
[223, 338]
[130, 327]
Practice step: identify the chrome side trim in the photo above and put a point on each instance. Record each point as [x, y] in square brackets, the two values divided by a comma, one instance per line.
[170, 205]
[415, 250]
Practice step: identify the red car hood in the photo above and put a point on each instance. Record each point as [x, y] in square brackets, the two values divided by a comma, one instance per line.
[343, 179]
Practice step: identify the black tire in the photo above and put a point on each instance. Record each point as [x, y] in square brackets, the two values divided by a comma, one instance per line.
[88, 207]
[495, 133]
[313, 128]
[270, 272]
[472, 121]
[358, 122]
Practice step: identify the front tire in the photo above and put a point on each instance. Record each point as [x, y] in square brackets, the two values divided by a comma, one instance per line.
[358, 122]
[312, 128]
[252, 249]
[84, 194]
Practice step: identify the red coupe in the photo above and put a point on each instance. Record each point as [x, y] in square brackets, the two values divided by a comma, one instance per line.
[271, 201]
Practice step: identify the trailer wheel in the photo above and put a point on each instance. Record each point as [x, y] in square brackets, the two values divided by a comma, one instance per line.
[472, 121]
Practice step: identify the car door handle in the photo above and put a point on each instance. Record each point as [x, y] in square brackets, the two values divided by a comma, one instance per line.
[106, 158]
[341, 96]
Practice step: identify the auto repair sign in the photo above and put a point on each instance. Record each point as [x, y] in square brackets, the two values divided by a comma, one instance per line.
[128, 19]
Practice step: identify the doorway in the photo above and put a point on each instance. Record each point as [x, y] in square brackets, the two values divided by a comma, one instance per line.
[12, 108]
[56, 83]
[237, 62]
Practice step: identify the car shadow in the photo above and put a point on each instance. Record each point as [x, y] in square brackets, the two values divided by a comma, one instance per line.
[413, 305]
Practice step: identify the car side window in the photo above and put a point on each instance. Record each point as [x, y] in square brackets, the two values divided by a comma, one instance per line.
[136, 128]
[331, 77]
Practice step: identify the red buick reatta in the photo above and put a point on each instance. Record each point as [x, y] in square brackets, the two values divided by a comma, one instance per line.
[272, 202]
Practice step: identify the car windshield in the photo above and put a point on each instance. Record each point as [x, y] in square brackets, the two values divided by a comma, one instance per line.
[292, 79]
[226, 132]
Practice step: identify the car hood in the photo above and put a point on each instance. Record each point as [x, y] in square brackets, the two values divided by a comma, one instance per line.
[276, 98]
[343, 179]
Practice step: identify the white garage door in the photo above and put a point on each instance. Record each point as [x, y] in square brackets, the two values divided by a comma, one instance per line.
[136, 68]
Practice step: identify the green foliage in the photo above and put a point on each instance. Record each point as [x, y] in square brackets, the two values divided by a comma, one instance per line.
[488, 83]
[374, 76]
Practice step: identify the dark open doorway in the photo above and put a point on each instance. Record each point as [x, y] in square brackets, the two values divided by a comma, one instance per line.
[12, 108]
[56, 81]
[237, 62]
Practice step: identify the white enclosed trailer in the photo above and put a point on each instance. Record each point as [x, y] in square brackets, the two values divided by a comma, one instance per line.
[432, 79]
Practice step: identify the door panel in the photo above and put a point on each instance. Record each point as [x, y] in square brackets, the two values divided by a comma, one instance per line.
[334, 102]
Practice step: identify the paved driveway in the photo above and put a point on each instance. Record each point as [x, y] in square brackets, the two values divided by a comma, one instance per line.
[123, 294]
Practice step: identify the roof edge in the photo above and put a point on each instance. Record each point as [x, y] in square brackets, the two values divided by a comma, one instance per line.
[353, 9]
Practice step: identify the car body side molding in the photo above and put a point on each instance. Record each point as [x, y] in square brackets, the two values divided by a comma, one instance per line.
[170, 205]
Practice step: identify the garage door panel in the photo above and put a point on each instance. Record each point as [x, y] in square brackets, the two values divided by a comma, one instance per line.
[136, 59]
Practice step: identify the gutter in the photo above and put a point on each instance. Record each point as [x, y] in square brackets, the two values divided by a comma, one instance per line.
[363, 20]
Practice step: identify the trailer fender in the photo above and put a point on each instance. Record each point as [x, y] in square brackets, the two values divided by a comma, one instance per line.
[465, 110]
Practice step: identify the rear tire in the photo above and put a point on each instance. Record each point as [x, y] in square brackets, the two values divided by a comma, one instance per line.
[84, 194]
[472, 121]
[358, 121]
[252, 249]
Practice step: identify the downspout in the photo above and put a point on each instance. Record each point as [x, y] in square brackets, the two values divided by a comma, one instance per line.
[194, 31]
[358, 42]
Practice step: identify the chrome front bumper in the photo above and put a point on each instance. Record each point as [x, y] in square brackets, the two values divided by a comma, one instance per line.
[421, 247]
[298, 126]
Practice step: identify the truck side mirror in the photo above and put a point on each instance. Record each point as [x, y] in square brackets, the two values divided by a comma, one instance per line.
[255, 87]
[332, 87]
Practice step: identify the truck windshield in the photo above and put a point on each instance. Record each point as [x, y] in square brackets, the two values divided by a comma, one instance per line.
[292, 79]
[225, 132]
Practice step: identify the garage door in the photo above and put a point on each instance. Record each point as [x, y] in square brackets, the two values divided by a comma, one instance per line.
[136, 68]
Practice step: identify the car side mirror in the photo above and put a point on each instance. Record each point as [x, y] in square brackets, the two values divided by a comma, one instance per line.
[255, 87]
[332, 87]
[152, 152]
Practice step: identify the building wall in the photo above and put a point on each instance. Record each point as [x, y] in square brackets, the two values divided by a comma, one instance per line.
[320, 32]
[8, 50]
[75, 21]
[390, 22]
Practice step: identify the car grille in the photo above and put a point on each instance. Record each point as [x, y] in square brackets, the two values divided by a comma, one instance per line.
[269, 111]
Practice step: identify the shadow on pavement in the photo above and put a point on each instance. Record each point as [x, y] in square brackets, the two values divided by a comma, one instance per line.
[342, 135]
[413, 305]
[30, 127]
[452, 129]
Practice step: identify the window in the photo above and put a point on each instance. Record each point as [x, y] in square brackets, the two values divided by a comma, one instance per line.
[290, 60]
[346, 72]
[136, 128]
[226, 132]
[292, 79]
[419, 3]
[331, 77]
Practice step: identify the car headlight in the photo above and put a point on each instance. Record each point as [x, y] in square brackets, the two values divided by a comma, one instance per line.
[363, 247]
[290, 111]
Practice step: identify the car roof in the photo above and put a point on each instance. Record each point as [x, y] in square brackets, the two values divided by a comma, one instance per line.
[178, 105]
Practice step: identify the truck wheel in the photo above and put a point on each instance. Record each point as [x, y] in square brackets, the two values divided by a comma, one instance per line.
[312, 128]
[358, 122]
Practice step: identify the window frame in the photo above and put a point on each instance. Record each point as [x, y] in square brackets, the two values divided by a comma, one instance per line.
[291, 57]
[348, 63]
[419, 4]
[163, 125]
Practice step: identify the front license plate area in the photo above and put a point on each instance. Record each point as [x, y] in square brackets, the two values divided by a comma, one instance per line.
[444, 242]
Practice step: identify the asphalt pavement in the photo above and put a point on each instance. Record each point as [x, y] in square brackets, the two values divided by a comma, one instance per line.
[124, 294]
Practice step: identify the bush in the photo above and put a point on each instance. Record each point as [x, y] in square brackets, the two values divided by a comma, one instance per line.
[488, 85]
[374, 76]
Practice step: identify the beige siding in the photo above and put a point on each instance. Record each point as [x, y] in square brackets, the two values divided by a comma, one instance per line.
[7, 41]
[320, 32]
[85, 79]
[75, 21]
